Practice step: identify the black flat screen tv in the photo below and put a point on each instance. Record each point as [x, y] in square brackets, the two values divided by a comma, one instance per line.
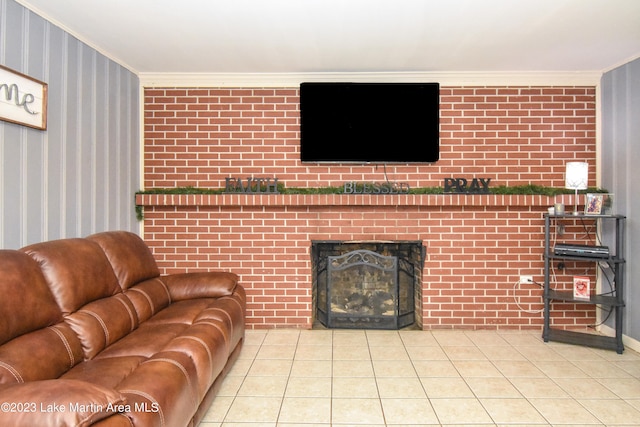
[369, 122]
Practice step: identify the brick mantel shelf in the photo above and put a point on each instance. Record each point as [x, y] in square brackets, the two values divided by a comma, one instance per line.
[432, 200]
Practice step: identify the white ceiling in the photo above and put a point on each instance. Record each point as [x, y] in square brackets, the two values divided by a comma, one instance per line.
[353, 36]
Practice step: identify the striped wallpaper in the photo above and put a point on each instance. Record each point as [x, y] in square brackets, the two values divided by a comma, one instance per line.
[79, 176]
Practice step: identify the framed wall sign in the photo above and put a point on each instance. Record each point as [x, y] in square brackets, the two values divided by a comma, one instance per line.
[23, 100]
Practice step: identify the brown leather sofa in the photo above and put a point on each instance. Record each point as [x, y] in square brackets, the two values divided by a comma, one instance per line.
[92, 334]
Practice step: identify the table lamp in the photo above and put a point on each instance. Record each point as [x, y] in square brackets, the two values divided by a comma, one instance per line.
[576, 177]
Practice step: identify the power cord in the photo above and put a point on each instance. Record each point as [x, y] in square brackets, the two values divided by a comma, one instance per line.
[533, 282]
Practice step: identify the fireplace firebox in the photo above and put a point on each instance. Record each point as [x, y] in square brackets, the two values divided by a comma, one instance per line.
[367, 285]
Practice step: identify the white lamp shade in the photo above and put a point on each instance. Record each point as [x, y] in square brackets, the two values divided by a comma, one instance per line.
[577, 175]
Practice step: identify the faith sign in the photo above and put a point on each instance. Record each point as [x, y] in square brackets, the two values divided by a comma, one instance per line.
[23, 100]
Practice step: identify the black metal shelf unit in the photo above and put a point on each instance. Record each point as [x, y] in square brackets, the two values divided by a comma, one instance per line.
[614, 299]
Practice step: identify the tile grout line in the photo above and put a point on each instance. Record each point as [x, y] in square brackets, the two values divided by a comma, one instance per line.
[433, 409]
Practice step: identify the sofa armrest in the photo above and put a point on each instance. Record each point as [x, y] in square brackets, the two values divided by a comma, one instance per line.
[57, 403]
[212, 284]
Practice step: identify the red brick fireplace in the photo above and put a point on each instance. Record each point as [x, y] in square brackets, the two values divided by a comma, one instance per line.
[477, 245]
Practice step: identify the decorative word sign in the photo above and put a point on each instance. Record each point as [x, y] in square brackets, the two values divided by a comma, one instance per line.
[376, 188]
[23, 100]
[462, 185]
[251, 185]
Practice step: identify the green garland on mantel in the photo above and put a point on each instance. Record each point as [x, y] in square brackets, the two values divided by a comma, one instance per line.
[529, 189]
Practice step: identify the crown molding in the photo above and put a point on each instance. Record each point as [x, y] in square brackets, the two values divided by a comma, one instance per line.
[622, 63]
[591, 78]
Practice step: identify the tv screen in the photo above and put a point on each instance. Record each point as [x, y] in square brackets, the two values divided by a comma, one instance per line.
[369, 122]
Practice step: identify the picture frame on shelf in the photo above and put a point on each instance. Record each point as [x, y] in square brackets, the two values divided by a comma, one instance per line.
[607, 204]
[594, 204]
[581, 287]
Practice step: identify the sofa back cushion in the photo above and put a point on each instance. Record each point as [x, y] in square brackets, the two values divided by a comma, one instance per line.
[26, 304]
[131, 259]
[149, 297]
[35, 343]
[85, 287]
[136, 270]
[76, 270]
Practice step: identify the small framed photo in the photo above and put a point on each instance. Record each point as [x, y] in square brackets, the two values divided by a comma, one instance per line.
[594, 203]
[581, 287]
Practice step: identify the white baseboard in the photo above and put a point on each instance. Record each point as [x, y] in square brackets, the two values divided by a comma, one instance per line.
[626, 340]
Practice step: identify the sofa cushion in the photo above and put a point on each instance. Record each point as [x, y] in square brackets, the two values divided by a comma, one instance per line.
[161, 392]
[203, 344]
[200, 285]
[154, 334]
[40, 355]
[149, 297]
[182, 312]
[227, 314]
[76, 270]
[103, 322]
[25, 295]
[106, 372]
[58, 403]
[130, 257]
[145, 341]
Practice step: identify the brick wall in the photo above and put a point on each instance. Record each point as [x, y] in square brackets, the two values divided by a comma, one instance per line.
[477, 246]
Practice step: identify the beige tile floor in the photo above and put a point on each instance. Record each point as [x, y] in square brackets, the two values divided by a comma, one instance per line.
[311, 378]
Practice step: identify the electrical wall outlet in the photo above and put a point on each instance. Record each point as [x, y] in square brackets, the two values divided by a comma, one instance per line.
[526, 279]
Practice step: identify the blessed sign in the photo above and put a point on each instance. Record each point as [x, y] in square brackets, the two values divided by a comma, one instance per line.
[376, 188]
